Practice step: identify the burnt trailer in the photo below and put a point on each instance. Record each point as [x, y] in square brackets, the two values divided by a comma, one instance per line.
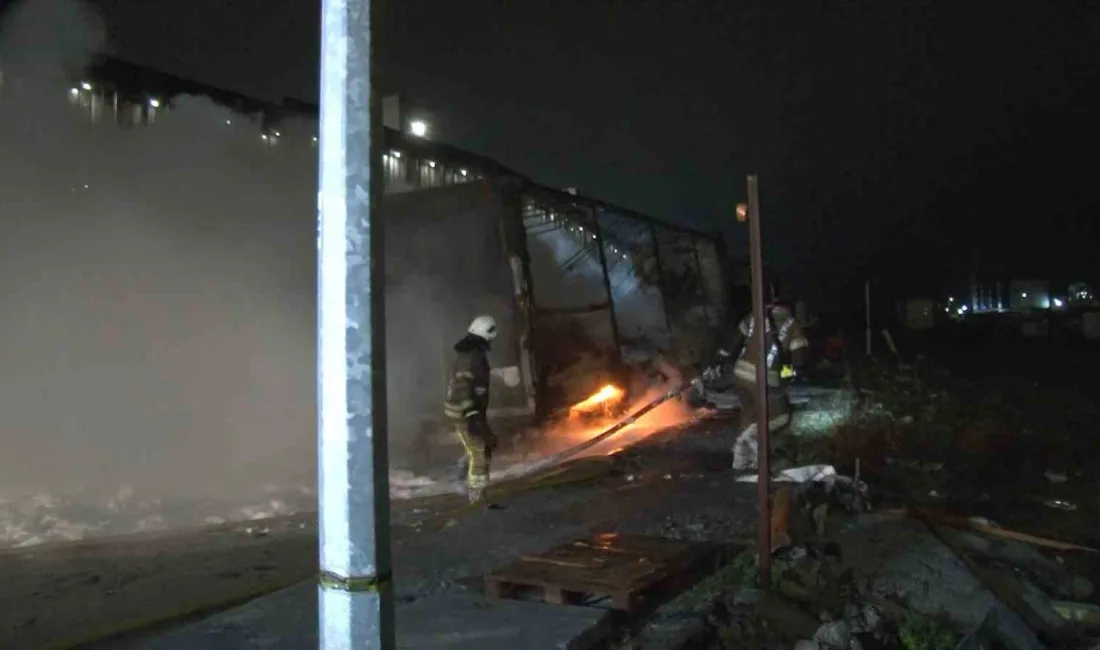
[582, 289]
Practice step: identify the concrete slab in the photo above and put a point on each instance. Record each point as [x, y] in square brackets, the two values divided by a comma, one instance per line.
[455, 621]
[473, 622]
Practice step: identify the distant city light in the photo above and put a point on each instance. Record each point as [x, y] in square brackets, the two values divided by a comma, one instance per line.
[431, 163]
[278, 135]
[263, 136]
[74, 91]
[418, 128]
[396, 154]
[1058, 302]
[155, 103]
[229, 121]
[86, 86]
[462, 171]
[1023, 295]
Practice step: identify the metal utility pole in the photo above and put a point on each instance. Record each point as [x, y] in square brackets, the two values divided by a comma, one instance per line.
[763, 458]
[355, 595]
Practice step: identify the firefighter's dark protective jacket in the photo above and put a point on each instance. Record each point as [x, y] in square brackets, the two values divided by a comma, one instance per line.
[468, 382]
[783, 338]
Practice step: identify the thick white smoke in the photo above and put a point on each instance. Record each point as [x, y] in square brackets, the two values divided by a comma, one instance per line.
[156, 286]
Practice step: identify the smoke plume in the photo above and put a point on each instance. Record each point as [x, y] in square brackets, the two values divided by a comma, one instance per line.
[157, 309]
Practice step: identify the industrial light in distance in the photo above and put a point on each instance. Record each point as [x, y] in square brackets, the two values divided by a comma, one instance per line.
[154, 103]
[86, 86]
[419, 128]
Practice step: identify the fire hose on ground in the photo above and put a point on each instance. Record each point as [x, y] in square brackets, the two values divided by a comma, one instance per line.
[619, 426]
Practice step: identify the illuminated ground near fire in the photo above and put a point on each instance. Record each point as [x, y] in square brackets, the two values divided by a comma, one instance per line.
[52, 517]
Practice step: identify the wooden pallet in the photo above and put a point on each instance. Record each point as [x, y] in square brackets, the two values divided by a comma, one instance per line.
[632, 570]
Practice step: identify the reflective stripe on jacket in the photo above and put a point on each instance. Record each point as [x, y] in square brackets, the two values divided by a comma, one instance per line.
[468, 380]
[789, 339]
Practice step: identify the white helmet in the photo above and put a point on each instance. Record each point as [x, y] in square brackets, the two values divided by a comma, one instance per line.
[484, 326]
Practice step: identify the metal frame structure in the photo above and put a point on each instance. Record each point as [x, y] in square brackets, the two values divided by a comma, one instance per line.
[627, 248]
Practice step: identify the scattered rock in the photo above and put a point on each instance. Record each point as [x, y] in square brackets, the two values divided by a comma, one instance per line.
[872, 619]
[969, 541]
[901, 559]
[747, 596]
[1080, 588]
[837, 634]
[786, 616]
[1040, 605]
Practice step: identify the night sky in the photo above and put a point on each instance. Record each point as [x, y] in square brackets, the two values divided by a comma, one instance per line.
[909, 140]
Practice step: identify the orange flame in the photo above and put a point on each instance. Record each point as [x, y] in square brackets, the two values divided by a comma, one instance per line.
[606, 396]
[574, 430]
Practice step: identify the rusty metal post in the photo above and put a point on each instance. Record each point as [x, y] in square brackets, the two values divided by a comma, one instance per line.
[764, 544]
[607, 286]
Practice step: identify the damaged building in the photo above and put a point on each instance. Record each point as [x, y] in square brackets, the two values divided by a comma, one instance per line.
[584, 291]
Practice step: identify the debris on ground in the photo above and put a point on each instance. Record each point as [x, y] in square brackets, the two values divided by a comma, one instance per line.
[978, 539]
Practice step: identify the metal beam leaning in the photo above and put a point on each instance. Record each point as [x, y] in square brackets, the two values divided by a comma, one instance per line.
[615, 336]
[763, 483]
[660, 276]
[702, 280]
[355, 594]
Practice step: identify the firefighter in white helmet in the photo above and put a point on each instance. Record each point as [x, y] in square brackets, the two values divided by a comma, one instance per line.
[467, 402]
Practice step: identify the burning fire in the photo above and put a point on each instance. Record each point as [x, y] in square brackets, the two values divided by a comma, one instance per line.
[576, 430]
[609, 395]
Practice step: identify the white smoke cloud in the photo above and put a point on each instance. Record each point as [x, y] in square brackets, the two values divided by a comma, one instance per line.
[156, 285]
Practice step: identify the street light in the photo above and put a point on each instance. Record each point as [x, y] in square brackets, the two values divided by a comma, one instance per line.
[419, 128]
